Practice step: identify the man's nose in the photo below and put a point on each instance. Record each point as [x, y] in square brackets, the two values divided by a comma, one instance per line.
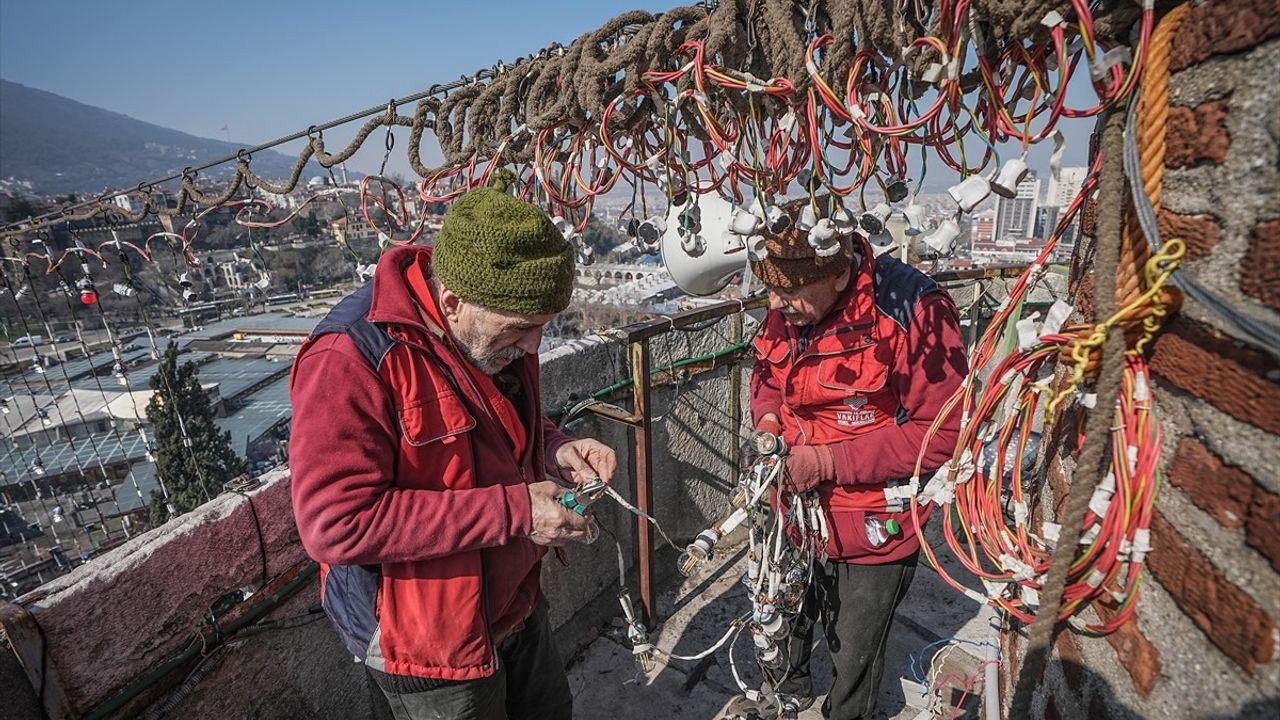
[531, 341]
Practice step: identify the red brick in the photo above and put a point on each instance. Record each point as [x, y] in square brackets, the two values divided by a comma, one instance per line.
[1210, 366]
[1137, 654]
[1262, 531]
[1222, 26]
[1222, 490]
[1197, 135]
[1260, 268]
[1200, 232]
[1231, 620]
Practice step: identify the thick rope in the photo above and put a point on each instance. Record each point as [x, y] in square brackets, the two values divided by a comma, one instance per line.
[572, 86]
[1135, 250]
[1153, 116]
[1090, 466]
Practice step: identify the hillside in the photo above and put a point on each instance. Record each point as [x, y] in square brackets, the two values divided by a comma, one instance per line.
[52, 144]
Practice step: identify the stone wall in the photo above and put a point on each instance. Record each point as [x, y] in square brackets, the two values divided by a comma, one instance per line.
[1204, 642]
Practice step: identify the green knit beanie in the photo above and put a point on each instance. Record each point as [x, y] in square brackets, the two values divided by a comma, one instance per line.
[504, 254]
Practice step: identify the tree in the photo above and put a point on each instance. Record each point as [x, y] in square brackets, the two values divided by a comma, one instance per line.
[306, 225]
[193, 458]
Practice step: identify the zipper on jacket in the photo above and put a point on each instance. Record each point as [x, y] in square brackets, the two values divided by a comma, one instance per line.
[484, 604]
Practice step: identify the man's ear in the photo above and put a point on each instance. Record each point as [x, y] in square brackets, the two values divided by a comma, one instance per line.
[450, 303]
[842, 282]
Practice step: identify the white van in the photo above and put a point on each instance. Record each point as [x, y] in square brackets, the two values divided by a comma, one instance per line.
[28, 341]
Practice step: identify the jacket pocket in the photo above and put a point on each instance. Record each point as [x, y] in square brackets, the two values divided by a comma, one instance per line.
[434, 419]
[848, 540]
[853, 370]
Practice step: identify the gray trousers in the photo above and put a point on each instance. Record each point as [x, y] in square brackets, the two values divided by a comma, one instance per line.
[529, 684]
[855, 604]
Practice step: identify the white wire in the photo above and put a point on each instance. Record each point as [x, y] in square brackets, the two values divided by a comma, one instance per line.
[735, 626]
[637, 511]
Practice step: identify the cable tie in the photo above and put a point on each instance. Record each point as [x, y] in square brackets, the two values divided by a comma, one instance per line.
[1141, 545]
[1050, 531]
[1057, 315]
[1019, 570]
[1028, 337]
[787, 122]
[1020, 513]
[1125, 549]
[1030, 596]
[1052, 19]
[931, 73]
[995, 590]
[1099, 68]
[1141, 389]
[1088, 536]
[1133, 459]
[1095, 579]
[1089, 399]
[1100, 503]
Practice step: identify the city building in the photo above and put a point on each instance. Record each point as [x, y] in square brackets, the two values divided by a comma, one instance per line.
[1016, 216]
[1062, 190]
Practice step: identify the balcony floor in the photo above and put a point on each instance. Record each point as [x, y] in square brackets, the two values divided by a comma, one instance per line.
[607, 682]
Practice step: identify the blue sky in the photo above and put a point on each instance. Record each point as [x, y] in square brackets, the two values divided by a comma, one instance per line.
[270, 68]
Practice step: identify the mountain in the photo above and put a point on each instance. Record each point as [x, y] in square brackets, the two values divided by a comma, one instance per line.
[52, 144]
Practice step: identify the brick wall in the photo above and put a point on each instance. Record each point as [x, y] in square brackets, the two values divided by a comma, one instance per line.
[1203, 642]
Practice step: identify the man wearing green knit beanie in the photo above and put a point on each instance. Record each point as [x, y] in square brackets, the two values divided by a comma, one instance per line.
[420, 458]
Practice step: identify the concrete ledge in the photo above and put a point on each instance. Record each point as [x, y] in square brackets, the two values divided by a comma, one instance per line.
[111, 620]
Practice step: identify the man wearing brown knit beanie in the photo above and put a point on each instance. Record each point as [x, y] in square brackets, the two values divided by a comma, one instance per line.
[856, 359]
[419, 456]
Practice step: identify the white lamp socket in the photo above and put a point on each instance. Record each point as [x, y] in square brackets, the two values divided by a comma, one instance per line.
[873, 219]
[808, 218]
[1013, 172]
[915, 219]
[844, 220]
[822, 238]
[745, 222]
[776, 219]
[693, 245]
[969, 192]
[940, 242]
[880, 241]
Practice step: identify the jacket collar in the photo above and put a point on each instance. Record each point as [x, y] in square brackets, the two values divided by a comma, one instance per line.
[392, 301]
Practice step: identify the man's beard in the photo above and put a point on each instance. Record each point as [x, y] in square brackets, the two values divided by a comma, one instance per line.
[488, 361]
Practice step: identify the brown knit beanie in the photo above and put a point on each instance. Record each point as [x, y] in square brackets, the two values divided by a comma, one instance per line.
[791, 261]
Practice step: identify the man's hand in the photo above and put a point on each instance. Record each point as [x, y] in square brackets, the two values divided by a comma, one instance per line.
[553, 523]
[769, 423]
[807, 466]
[586, 459]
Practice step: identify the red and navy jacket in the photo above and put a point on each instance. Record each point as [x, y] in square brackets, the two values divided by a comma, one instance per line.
[867, 380]
[407, 487]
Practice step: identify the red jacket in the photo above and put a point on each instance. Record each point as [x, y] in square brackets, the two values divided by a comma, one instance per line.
[407, 487]
[868, 380]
